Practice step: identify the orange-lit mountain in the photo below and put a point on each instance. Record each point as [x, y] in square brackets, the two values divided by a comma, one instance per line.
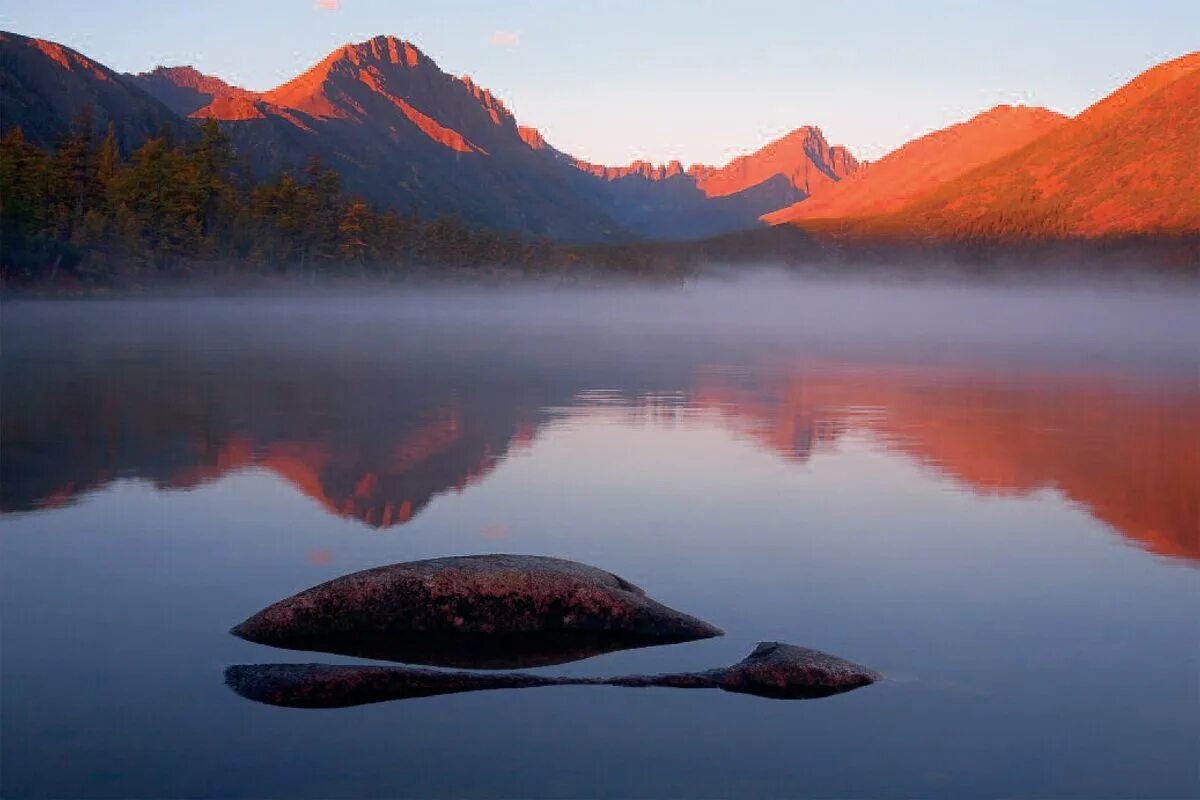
[403, 133]
[802, 158]
[669, 202]
[923, 164]
[44, 86]
[1127, 166]
[407, 134]
[191, 93]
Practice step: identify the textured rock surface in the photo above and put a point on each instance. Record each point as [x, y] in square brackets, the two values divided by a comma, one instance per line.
[782, 670]
[491, 611]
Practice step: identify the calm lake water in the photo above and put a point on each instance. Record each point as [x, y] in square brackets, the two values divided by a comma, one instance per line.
[989, 493]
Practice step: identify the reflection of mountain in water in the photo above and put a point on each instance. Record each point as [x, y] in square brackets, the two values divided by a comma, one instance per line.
[377, 441]
[1128, 454]
[358, 441]
[380, 485]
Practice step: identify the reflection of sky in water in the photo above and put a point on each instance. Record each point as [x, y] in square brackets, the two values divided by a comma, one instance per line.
[1033, 645]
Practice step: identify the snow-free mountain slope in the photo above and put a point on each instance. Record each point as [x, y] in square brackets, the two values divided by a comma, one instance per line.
[924, 164]
[45, 86]
[1128, 165]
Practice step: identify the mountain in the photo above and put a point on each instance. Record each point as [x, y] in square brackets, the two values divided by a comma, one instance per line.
[924, 164]
[1127, 166]
[669, 202]
[44, 87]
[400, 131]
[190, 93]
[803, 158]
[405, 133]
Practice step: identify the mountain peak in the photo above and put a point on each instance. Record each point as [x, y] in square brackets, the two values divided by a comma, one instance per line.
[1125, 166]
[190, 93]
[925, 163]
[184, 75]
[381, 49]
[350, 82]
[643, 169]
[313, 92]
[802, 157]
[803, 133]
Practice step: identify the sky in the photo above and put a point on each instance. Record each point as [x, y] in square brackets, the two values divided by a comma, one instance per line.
[702, 81]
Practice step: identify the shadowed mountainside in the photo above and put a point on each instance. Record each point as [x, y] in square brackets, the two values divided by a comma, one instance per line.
[44, 87]
[190, 93]
[407, 134]
[669, 202]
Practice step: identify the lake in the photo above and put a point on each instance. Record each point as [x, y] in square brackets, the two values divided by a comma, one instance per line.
[988, 492]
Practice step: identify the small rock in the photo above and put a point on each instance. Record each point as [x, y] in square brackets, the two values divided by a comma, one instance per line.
[786, 671]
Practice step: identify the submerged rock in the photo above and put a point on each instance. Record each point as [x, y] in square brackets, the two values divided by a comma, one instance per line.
[481, 612]
[774, 670]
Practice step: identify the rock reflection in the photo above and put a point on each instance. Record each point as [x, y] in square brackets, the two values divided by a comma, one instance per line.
[773, 670]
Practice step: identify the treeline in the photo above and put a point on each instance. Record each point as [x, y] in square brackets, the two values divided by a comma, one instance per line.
[168, 208]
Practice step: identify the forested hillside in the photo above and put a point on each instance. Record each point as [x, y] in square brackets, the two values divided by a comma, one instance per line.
[88, 208]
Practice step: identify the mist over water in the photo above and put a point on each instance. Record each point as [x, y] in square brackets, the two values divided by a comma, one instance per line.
[986, 490]
[743, 307]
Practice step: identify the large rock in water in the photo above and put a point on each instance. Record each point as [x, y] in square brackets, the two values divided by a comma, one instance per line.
[481, 612]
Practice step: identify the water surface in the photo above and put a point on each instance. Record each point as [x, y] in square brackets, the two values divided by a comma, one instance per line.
[989, 493]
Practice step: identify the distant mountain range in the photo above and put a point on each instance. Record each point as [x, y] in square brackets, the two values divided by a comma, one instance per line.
[1130, 164]
[925, 164]
[405, 134]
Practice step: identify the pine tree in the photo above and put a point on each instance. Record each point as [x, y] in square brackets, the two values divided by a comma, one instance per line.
[86, 207]
[74, 187]
[353, 230]
[212, 159]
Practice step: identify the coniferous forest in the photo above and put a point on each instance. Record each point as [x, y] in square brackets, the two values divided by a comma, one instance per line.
[88, 211]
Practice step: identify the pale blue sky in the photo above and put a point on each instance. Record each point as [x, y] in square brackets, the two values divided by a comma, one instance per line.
[698, 81]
